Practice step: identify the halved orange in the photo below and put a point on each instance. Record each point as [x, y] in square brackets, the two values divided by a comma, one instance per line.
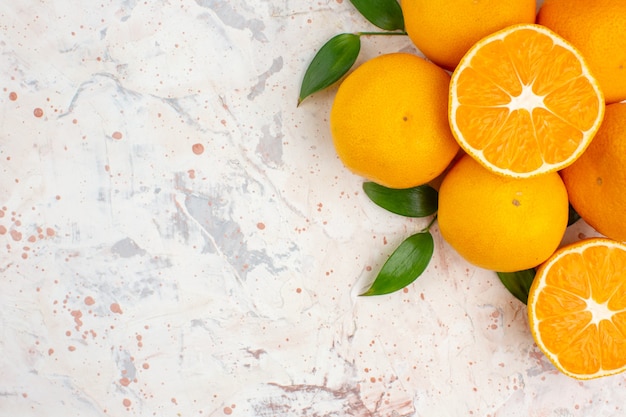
[577, 308]
[523, 102]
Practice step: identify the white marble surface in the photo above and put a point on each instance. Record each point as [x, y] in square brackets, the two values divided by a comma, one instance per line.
[177, 238]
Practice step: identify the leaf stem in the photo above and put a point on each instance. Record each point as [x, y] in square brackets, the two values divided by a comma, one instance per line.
[381, 33]
[427, 228]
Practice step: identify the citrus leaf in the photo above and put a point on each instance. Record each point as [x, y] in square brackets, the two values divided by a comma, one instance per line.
[573, 216]
[518, 283]
[331, 62]
[420, 201]
[386, 14]
[404, 265]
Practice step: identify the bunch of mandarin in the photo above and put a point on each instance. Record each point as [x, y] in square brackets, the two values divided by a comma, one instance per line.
[516, 114]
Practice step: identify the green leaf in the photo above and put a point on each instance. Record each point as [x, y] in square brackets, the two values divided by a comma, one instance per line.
[420, 201]
[518, 283]
[386, 14]
[332, 61]
[404, 265]
[573, 216]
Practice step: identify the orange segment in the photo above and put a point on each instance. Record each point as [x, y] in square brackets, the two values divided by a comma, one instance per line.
[618, 302]
[523, 102]
[556, 303]
[615, 342]
[548, 129]
[582, 356]
[577, 308]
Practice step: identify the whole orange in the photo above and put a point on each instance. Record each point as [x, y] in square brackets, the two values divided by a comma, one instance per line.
[596, 182]
[389, 121]
[501, 223]
[444, 30]
[598, 29]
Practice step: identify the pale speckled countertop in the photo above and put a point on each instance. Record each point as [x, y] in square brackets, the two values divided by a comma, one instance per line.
[178, 239]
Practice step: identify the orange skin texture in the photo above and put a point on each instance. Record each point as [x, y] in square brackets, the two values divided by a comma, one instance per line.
[389, 121]
[596, 182]
[444, 30]
[500, 223]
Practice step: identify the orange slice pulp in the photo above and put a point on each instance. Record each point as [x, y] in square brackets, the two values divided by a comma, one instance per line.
[523, 102]
[577, 308]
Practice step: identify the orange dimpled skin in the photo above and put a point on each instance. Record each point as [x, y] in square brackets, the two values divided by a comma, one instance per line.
[577, 308]
[500, 223]
[444, 30]
[389, 121]
[596, 182]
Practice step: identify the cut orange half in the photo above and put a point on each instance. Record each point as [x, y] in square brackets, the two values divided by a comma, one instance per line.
[523, 102]
[577, 308]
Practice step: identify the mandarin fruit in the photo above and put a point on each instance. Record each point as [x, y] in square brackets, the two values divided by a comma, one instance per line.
[389, 121]
[445, 30]
[500, 223]
[523, 102]
[596, 182]
[577, 308]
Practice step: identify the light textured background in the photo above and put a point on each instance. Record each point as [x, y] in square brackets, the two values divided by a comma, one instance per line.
[178, 239]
